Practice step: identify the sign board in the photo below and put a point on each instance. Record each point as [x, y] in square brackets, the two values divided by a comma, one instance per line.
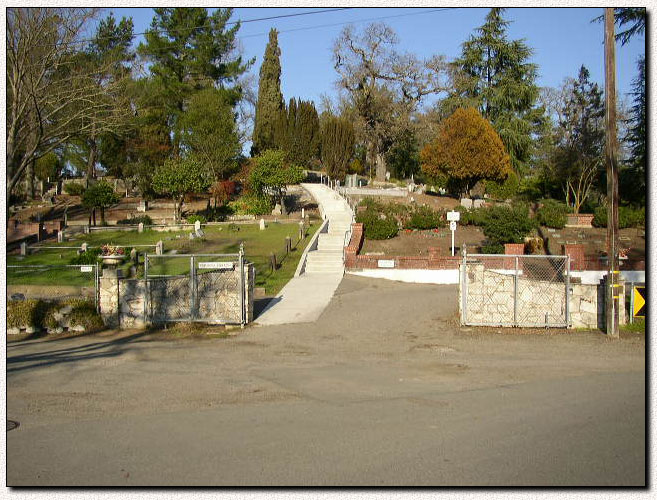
[86, 269]
[386, 263]
[452, 225]
[216, 265]
[639, 302]
[453, 216]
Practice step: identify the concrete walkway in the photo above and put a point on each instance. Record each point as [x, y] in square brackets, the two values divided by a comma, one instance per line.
[306, 296]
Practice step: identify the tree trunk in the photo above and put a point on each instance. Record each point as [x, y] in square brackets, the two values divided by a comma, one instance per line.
[91, 161]
[29, 180]
[102, 216]
[380, 167]
[93, 215]
[282, 202]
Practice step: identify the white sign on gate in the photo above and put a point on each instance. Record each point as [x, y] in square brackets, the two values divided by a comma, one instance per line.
[216, 265]
[86, 269]
[453, 216]
[386, 263]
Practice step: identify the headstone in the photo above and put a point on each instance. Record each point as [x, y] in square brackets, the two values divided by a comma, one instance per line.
[466, 202]
[303, 213]
[478, 203]
[159, 248]
[87, 230]
[143, 206]
[61, 235]
[140, 228]
[197, 226]
[23, 249]
[17, 296]
[277, 210]
[387, 176]
[192, 236]
[262, 224]
[200, 233]
[84, 247]
[134, 256]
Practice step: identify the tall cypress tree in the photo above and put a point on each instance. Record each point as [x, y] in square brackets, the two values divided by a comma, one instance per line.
[337, 146]
[270, 99]
[494, 75]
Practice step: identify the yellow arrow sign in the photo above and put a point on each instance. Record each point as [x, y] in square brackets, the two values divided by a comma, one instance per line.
[639, 301]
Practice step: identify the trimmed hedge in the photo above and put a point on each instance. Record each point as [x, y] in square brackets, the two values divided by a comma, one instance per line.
[506, 225]
[472, 217]
[627, 217]
[251, 205]
[378, 226]
[144, 219]
[74, 189]
[86, 258]
[552, 214]
[425, 218]
[41, 314]
[193, 218]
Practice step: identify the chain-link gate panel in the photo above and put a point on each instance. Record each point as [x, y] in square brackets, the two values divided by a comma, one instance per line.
[514, 290]
[170, 299]
[541, 298]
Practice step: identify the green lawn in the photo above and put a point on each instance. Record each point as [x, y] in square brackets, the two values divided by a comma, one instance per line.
[218, 239]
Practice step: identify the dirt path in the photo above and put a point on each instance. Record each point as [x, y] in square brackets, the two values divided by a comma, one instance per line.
[380, 350]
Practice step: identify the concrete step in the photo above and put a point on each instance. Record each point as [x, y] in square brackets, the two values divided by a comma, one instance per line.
[323, 269]
[330, 247]
[320, 258]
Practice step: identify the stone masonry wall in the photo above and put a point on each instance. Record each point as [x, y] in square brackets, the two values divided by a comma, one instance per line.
[123, 301]
[490, 300]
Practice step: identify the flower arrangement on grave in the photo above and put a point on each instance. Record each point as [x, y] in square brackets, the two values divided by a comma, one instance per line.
[112, 251]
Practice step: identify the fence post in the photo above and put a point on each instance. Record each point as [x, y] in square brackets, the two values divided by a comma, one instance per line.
[242, 286]
[147, 290]
[631, 302]
[272, 261]
[567, 291]
[464, 291]
[192, 291]
[288, 244]
[96, 288]
[515, 295]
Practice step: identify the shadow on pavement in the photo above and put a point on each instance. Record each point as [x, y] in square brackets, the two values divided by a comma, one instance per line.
[107, 349]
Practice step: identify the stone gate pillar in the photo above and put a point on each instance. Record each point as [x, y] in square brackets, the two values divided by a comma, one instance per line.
[109, 297]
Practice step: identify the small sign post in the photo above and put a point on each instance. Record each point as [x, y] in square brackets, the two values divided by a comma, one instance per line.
[453, 217]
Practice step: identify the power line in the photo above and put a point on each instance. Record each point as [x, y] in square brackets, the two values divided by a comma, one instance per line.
[355, 21]
[281, 16]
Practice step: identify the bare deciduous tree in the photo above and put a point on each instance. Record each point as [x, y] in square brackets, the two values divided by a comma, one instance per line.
[385, 86]
[50, 97]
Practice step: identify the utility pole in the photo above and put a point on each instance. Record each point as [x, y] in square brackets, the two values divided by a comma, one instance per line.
[611, 147]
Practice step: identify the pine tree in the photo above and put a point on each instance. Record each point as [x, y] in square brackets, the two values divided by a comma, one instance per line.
[581, 139]
[633, 176]
[494, 75]
[270, 99]
[190, 50]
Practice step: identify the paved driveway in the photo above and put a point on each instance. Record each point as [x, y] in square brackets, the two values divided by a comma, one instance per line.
[384, 389]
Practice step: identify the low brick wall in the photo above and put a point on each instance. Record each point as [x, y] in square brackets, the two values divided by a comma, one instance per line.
[580, 220]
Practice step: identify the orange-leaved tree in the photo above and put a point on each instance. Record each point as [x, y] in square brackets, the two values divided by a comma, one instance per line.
[466, 150]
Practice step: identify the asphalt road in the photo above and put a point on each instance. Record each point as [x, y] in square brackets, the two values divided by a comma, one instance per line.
[384, 389]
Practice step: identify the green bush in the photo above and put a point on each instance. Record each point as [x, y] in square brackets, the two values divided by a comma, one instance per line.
[627, 217]
[83, 313]
[552, 214]
[22, 313]
[492, 248]
[74, 189]
[473, 216]
[503, 190]
[507, 225]
[376, 227]
[86, 258]
[251, 205]
[425, 218]
[144, 219]
[193, 218]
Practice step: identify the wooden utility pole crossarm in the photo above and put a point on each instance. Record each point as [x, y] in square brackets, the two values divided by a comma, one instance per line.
[611, 147]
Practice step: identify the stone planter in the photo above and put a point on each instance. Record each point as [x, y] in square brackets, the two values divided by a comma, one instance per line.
[581, 220]
[112, 260]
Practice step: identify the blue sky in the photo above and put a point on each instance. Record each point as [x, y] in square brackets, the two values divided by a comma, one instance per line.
[562, 39]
